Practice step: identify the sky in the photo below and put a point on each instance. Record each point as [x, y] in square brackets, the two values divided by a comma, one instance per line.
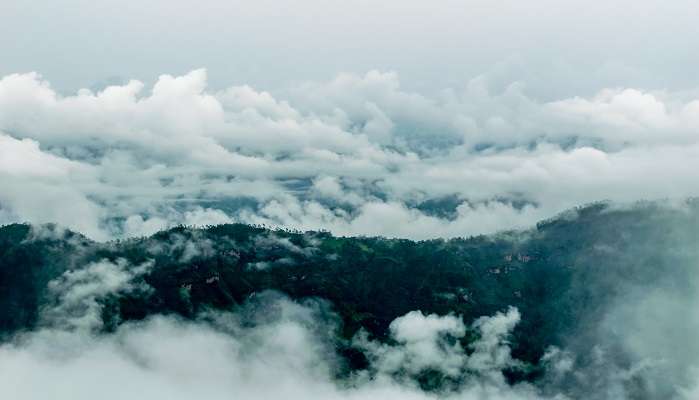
[404, 119]
[559, 51]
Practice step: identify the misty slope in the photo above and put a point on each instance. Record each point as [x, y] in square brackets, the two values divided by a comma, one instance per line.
[566, 277]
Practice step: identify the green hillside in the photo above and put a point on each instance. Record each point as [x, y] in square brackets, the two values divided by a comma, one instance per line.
[562, 275]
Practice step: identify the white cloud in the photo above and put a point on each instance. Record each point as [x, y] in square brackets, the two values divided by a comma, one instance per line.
[356, 155]
[76, 293]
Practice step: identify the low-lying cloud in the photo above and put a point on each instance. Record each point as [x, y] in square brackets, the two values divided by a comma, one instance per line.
[273, 347]
[270, 348]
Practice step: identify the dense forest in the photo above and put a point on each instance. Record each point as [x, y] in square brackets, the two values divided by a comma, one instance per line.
[564, 276]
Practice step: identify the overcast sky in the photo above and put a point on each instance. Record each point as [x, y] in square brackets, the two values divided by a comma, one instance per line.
[558, 51]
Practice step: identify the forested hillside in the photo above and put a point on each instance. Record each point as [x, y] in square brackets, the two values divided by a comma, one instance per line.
[565, 276]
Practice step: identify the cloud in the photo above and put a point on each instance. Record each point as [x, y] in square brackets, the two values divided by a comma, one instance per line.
[77, 292]
[358, 154]
[431, 343]
[32, 179]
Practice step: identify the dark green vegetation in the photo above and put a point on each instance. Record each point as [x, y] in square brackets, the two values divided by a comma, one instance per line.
[562, 275]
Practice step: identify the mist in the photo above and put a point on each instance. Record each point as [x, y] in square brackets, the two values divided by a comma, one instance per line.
[270, 348]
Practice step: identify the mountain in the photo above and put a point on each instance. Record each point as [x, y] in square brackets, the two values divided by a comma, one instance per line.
[566, 277]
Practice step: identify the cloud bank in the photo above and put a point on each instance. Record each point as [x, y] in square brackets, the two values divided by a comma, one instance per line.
[356, 155]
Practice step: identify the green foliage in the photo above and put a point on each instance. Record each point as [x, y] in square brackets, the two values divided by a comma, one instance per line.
[561, 275]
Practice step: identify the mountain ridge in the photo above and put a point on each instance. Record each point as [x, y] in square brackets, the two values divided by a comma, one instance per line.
[564, 275]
